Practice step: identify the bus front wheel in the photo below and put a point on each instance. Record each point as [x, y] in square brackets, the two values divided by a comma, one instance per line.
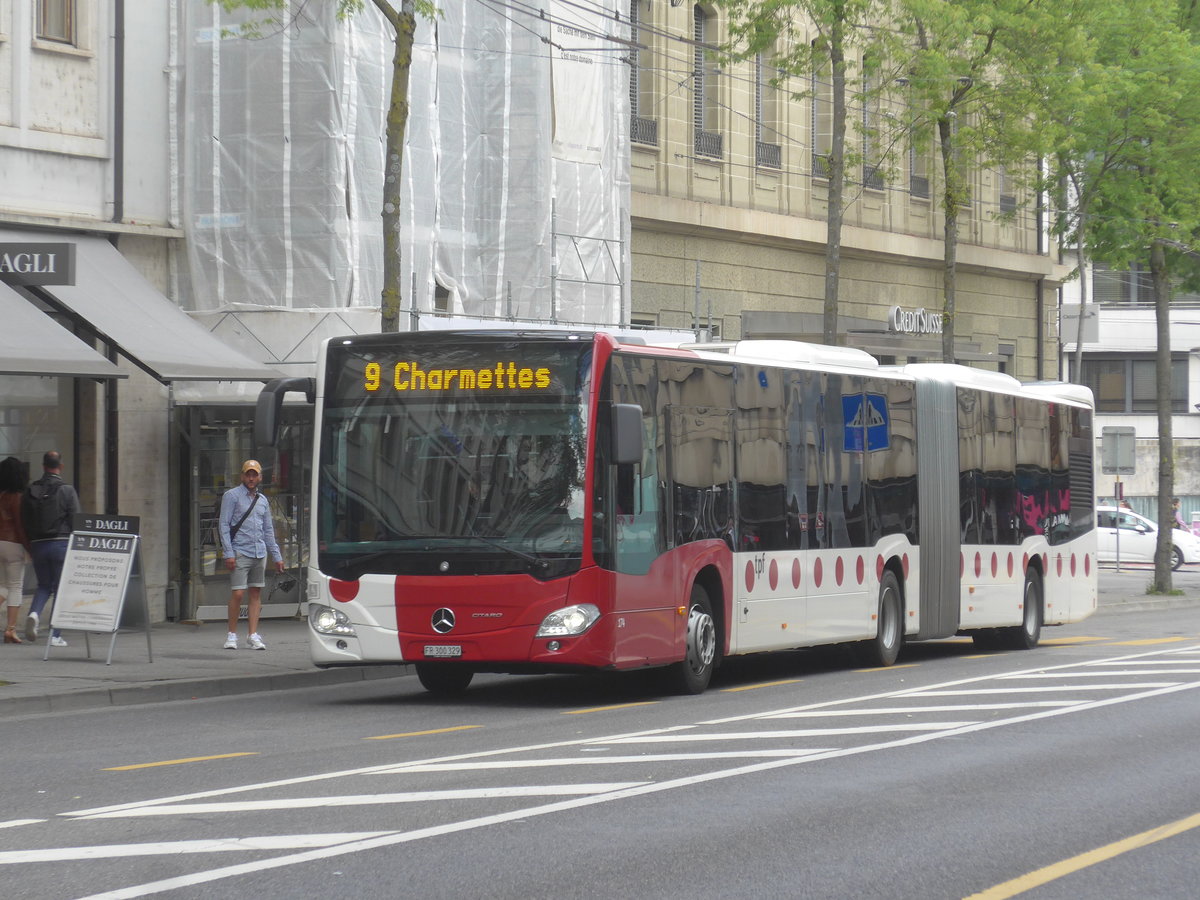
[692, 674]
[885, 647]
[440, 678]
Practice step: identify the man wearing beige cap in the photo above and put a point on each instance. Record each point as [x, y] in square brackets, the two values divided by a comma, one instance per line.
[247, 536]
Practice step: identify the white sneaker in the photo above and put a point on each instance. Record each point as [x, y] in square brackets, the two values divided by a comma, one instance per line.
[256, 643]
[58, 642]
[231, 641]
[31, 627]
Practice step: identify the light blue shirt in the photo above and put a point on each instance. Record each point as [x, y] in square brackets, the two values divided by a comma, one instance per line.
[256, 535]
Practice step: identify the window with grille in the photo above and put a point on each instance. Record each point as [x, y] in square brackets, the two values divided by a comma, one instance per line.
[56, 21]
[767, 150]
[1008, 193]
[643, 129]
[704, 90]
[871, 175]
[822, 117]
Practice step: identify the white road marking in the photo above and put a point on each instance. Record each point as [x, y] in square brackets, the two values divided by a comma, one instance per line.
[212, 845]
[13, 823]
[490, 793]
[797, 733]
[601, 760]
[908, 710]
[259, 866]
[1105, 673]
[975, 692]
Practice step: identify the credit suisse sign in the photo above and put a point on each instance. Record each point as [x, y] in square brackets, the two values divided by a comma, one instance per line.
[35, 264]
[914, 321]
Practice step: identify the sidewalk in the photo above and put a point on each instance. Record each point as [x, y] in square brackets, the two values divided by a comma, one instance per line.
[189, 662]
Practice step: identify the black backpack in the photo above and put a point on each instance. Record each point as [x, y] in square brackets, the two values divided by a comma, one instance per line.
[44, 514]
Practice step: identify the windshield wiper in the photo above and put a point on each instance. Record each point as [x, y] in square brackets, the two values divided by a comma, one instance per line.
[513, 551]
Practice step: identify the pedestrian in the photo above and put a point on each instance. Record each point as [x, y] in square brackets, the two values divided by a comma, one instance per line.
[14, 544]
[247, 536]
[1179, 523]
[47, 507]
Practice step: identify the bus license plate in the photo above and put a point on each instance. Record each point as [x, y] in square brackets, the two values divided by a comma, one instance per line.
[442, 651]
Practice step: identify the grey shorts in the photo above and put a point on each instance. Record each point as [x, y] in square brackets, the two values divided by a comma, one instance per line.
[249, 572]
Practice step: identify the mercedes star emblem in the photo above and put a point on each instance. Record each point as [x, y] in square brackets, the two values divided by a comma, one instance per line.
[443, 620]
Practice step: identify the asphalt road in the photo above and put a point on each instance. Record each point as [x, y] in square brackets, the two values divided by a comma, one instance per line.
[797, 775]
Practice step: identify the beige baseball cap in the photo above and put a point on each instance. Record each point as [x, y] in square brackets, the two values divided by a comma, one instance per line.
[251, 465]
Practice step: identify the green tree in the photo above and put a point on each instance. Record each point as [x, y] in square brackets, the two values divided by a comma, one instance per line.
[1147, 209]
[967, 88]
[402, 17]
[844, 31]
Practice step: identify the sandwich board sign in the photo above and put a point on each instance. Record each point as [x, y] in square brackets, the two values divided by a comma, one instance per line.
[101, 564]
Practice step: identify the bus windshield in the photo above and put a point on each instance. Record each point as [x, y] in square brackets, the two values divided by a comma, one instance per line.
[444, 456]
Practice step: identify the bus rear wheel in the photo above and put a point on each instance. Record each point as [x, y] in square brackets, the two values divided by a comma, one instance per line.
[1026, 635]
[692, 674]
[884, 648]
[440, 678]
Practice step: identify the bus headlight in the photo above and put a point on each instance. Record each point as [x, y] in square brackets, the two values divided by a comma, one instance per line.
[570, 620]
[325, 620]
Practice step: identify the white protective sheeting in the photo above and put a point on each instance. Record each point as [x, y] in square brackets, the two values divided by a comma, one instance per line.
[516, 174]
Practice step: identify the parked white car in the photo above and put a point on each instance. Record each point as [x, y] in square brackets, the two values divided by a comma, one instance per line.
[1139, 538]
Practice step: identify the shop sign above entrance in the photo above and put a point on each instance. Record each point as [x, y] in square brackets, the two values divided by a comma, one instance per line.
[914, 321]
[34, 264]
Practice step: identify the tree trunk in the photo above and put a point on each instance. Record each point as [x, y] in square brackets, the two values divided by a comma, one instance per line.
[1080, 262]
[837, 183]
[404, 24]
[1166, 445]
[951, 202]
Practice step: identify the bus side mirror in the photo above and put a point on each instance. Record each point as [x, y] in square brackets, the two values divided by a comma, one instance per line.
[626, 433]
[270, 405]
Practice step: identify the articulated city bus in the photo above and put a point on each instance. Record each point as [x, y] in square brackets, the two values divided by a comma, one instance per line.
[505, 501]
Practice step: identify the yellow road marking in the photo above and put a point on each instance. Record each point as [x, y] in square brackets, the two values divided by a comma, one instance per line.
[580, 712]
[176, 762]
[1145, 642]
[754, 687]
[889, 668]
[1076, 863]
[388, 737]
[1079, 639]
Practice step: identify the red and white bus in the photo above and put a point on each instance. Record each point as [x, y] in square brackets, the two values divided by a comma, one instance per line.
[506, 501]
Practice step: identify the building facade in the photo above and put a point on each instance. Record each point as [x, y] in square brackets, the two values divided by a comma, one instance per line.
[729, 215]
[219, 199]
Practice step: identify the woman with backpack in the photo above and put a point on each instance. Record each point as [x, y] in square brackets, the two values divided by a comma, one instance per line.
[14, 544]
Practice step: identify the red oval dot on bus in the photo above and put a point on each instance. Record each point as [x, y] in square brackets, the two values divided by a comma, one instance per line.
[995, 565]
[1045, 562]
[1087, 564]
[796, 573]
[1024, 562]
[817, 572]
[343, 591]
[978, 564]
[879, 568]
[1059, 561]
[749, 576]
[860, 569]
[839, 571]
[904, 565]
[1072, 565]
[773, 574]
[1010, 565]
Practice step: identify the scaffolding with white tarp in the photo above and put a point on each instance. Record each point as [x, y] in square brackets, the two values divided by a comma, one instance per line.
[516, 163]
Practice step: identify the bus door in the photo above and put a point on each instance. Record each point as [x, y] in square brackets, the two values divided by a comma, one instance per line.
[700, 485]
[767, 576]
